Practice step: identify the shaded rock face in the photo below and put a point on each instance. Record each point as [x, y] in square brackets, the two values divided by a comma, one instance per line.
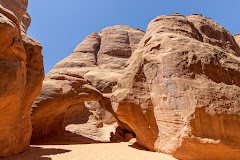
[57, 94]
[89, 120]
[21, 67]
[76, 85]
[180, 90]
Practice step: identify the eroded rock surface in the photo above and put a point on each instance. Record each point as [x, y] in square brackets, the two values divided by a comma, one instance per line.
[21, 68]
[89, 120]
[237, 38]
[73, 89]
[180, 90]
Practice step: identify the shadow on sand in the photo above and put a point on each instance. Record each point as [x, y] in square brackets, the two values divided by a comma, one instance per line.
[137, 146]
[37, 153]
[65, 138]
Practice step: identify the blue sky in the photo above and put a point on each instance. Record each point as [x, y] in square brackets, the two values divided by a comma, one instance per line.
[60, 25]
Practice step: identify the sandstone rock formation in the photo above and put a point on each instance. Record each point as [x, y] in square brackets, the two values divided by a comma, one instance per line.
[21, 68]
[180, 90]
[69, 99]
[237, 38]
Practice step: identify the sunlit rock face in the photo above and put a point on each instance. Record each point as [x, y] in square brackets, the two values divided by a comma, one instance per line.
[177, 87]
[74, 95]
[237, 38]
[21, 70]
[180, 90]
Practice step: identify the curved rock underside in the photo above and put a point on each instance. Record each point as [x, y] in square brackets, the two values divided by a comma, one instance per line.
[21, 70]
[180, 90]
[72, 90]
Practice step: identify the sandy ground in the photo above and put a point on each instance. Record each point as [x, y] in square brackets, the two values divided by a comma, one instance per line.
[99, 151]
[70, 146]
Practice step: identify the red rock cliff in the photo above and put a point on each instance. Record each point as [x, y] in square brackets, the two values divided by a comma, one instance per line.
[21, 70]
[180, 90]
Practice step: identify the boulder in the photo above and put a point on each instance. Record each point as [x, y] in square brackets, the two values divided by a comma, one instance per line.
[180, 89]
[21, 68]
